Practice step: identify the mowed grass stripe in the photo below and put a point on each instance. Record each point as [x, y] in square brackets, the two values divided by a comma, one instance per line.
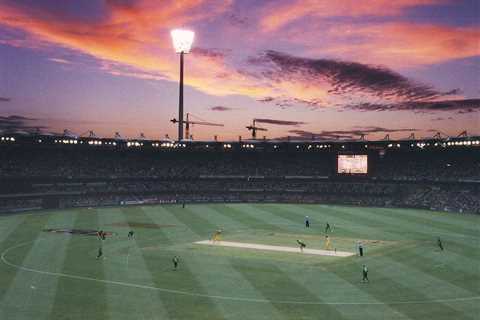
[25, 232]
[429, 287]
[342, 225]
[420, 231]
[123, 302]
[345, 220]
[319, 216]
[234, 230]
[244, 219]
[441, 226]
[260, 212]
[78, 299]
[277, 285]
[32, 294]
[9, 225]
[444, 266]
[469, 222]
[177, 306]
[374, 226]
[194, 219]
[219, 278]
[387, 285]
[223, 221]
[333, 289]
[396, 221]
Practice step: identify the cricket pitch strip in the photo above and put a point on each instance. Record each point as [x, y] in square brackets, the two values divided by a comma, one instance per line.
[255, 246]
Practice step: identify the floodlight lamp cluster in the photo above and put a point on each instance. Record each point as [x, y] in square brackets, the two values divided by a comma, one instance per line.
[182, 40]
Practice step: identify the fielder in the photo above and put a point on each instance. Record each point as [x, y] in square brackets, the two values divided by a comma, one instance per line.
[327, 228]
[100, 253]
[439, 243]
[301, 244]
[365, 274]
[175, 262]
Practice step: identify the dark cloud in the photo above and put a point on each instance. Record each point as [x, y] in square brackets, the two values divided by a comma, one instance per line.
[289, 102]
[323, 135]
[4, 99]
[15, 123]
[374, 129]
[212, 53]
[460, 106]
[266, 99]
[15, 118]
[237, 21]
[221, 108]
[280, 122]
[314, 103]
[344, 77]
[442, 118]
[354, 133]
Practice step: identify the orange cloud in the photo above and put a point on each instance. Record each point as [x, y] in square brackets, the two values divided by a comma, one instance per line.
[401, 45]
[277, 16]
[134, 41]
[136, 36]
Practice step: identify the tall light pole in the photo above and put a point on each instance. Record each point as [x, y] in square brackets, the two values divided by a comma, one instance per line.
[182, 42]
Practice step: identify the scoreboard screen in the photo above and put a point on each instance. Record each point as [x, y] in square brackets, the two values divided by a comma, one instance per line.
[352, 164]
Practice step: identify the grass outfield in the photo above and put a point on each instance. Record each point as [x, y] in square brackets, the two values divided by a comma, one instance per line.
[47, 275]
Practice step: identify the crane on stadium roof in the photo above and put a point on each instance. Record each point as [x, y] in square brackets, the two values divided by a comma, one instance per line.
[86, 134]
[200, 122]
[254, 129]
[463, 134]
[69, 134]
[118, 136]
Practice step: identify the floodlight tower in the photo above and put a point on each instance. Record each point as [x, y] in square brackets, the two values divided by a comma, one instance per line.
[182, 42]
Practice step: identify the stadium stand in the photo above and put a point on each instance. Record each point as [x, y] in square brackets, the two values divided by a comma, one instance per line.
[437, 175]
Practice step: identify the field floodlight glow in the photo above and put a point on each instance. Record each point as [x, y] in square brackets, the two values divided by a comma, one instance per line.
[182, 40]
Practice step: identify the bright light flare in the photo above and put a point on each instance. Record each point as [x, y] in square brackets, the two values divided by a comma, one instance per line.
[182, 40]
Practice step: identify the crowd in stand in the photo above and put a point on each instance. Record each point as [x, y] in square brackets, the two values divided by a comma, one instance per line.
[93, 163]
[439, 180]
[108, 163]
[430, 165]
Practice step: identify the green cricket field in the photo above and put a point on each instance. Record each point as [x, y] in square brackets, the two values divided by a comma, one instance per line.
[49, 267]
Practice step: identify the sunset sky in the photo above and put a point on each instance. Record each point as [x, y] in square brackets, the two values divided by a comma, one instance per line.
[328, 68]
